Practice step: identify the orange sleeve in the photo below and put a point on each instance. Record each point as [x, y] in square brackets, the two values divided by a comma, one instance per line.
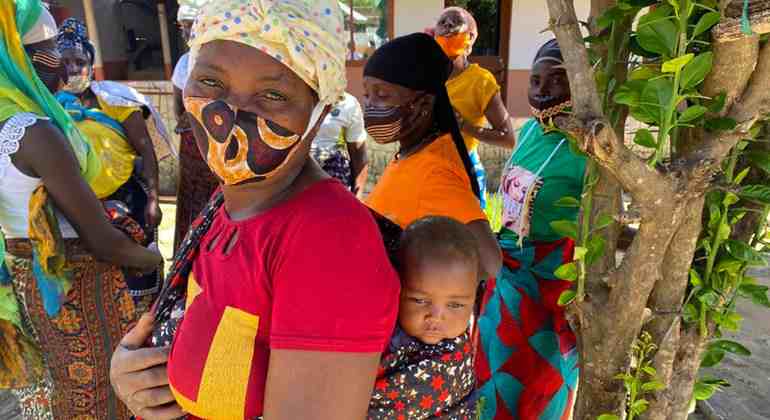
[447, 192]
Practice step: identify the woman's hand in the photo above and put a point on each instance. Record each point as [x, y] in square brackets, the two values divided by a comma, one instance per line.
[152, 213]
[139, 378]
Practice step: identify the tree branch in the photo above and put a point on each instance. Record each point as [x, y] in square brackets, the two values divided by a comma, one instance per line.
[564, 23]
[755, 101]
[734, 63]
[742, 72]
[730, 28]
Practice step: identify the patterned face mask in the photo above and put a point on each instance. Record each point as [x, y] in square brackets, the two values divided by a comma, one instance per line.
[48, 66]
[77, 84]
[240, 146]
[385, 123]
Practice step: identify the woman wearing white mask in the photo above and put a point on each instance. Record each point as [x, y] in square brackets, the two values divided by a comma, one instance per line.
[112, 117]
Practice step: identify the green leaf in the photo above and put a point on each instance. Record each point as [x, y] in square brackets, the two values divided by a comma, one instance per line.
[696, 70]
[566, 297]
[730, 322]
[709, 298]
[567, 272]
[742, 175]
[657, 35]
[712, 358]
[730, 347]
[691, 313]
[757, 293]
[565, 228]
[744, 252]
[608, 417]
[692, 113]
[715, 216]
[695, 279]
[706, 22]
[676, 64]
[655, 98]
[730, 266]
[759, 159]
[703, 392]
[644, 138]
[720, 124]
[612, 15]
[717, 103]
[640, 406]
[596, 248]
[567, 201]
[724, 231]
[730, 199]
[650, 371]
[653, 386]
[630, 92]
[757, 193]
[643, 73]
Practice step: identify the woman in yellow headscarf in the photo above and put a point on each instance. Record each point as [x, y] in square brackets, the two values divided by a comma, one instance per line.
[63, 300]
[272, 316]
[473, 90]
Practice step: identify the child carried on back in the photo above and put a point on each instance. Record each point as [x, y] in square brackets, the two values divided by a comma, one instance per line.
[427, 371]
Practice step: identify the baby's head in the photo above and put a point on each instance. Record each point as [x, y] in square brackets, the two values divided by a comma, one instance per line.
[439, 269]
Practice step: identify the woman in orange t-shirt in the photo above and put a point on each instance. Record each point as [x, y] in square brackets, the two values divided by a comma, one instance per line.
[431, 175]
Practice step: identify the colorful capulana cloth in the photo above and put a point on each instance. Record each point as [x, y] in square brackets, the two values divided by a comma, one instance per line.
[527, 362]
[305, 36]
[422, 381]
[77, 342]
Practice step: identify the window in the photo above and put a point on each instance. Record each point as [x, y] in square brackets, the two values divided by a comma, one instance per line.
[368, 24]
[487, 14]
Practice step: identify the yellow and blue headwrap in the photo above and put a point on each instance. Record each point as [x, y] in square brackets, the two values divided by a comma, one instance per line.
[306, 36]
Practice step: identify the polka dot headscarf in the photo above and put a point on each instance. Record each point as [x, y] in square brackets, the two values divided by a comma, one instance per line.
[305, 35]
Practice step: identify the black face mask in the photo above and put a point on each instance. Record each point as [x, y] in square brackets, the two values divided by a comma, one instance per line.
[49, 67]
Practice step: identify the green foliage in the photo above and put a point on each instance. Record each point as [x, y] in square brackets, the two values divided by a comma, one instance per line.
[671, 57]
[641, 380]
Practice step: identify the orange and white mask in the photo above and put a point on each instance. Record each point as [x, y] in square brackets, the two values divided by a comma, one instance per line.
[241, 146]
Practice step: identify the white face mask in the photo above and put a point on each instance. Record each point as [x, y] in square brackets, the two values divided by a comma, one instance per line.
[77, 84]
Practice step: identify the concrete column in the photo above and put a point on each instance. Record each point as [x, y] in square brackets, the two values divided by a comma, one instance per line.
[165, 40]
[93, 31]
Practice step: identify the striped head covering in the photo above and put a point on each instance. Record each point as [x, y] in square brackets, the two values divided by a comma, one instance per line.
[304, 35]
[73, 34]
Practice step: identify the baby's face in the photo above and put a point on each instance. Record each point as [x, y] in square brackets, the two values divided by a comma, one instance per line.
[437, 299]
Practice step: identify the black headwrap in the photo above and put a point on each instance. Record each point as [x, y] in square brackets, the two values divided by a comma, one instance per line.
[417, 62]
[550, 51]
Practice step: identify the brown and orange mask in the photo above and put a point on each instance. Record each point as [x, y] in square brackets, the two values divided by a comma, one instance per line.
[240, 146]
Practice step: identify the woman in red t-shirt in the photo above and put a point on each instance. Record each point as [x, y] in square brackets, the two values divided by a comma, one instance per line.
[276, 324]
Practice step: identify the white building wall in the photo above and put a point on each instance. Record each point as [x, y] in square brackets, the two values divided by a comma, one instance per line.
[528, 19]
[415, 15]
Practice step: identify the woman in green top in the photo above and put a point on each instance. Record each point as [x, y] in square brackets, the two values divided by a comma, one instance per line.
[527, 361]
